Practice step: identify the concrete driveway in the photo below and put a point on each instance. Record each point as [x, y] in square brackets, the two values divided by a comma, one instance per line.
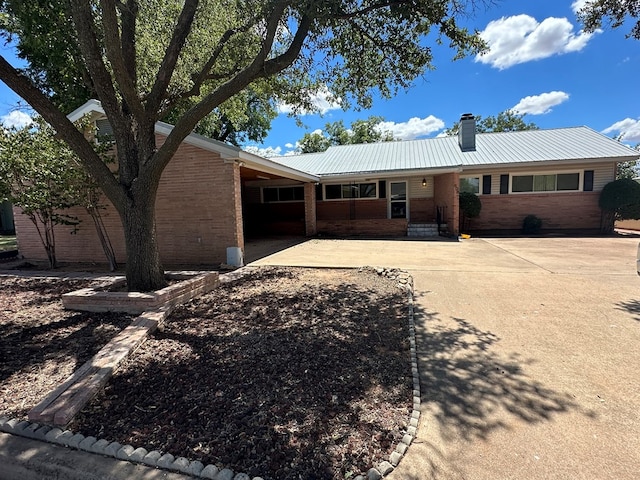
[529, 353]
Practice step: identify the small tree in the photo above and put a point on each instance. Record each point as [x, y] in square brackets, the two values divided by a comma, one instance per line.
[619, 200]
[42, 176]
[470, 206]
[38, 179]
[335, 133]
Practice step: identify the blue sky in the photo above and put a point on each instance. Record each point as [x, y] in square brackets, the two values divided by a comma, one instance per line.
[540, 63]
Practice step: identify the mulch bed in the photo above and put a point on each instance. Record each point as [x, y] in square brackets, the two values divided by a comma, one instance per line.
[286, 374]
[41, 344]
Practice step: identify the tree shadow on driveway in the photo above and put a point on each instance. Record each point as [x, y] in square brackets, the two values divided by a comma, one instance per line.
[470, 388]
[630, 306]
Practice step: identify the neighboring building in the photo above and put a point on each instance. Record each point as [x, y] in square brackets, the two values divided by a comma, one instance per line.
[212, 195]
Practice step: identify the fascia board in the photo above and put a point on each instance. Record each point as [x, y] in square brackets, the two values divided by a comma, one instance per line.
[385, 174]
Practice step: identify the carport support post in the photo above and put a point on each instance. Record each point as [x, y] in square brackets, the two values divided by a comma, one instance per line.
[310, 228]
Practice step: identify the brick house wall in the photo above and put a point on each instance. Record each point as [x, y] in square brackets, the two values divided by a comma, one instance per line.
[558, 211]
[446, 188]
[198, 211]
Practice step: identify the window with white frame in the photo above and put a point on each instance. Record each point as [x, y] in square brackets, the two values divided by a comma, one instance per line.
[470, 184]
[549, 182]
[351, 190]
[283, 194]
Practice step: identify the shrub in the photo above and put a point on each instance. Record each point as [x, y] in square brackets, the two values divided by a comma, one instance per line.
[531, 225]
[470, 206]
[619, 200]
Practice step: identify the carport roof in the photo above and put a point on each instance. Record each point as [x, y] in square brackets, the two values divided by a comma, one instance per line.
[570, 145]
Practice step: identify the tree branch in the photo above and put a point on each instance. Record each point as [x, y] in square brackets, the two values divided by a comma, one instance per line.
[180, 33]
[122, 70]
[90, 159]
[259, 67]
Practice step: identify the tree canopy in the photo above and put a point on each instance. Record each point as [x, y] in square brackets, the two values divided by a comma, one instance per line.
[507, 121]
[144, 58]
[616, 12]
[335, 133]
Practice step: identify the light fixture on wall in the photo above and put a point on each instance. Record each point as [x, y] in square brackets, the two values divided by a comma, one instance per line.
[424, 182]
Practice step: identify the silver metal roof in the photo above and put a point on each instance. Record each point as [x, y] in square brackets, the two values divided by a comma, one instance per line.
[492, 149]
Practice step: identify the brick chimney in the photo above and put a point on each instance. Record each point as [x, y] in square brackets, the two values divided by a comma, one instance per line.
[467, 133]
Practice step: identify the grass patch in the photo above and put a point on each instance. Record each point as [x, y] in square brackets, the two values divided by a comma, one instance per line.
[8, 242]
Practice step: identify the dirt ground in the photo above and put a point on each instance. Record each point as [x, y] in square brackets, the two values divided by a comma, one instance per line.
[41, 344]
[288, 373]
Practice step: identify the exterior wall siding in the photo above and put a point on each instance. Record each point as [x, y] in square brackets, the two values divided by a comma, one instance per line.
[198, 213]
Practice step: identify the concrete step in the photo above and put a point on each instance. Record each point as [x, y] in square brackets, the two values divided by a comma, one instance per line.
[424, 229]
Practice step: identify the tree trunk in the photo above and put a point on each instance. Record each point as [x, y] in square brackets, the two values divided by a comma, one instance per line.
[144, 269]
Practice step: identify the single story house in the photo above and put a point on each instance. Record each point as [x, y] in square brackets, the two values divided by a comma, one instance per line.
[212, 194]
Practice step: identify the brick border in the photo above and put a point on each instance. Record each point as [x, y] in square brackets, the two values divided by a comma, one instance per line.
[196, 468]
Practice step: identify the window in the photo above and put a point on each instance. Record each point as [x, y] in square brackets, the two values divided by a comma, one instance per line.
[470, 185]
[556, 182]
[283, 194]
[351, 190]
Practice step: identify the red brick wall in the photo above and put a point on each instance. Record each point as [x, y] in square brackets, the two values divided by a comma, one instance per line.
[197, 212]
[557, 210]
[392, 227]
[446, 195]
[422, 210]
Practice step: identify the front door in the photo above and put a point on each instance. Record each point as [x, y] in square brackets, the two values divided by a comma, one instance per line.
[398, 200]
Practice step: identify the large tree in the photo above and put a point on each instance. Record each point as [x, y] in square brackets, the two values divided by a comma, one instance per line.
[616, 12]
[335, 133]
[507, 121]
[209, 52]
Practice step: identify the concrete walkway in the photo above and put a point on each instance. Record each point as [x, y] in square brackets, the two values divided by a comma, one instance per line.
[527, 350]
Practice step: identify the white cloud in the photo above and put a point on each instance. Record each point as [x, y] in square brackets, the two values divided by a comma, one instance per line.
[540, 104]
[521, 38]
[16, 119]
[578, 5]
[265, 152]
[628, 130]
[322, 101]
[413, 128]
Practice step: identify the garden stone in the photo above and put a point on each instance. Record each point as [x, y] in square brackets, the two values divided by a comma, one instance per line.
[166, 460]
[374, 474]
[395, 458]
[64, 437]
[225, 474]
[194, 468]
[30, 431]
[181, 464]
[138, 454]
[87, 443]
[53, 434]
[125, 452]
[112, 449]
[151, 458]
[242, 476]
[41, 433]
[385, 468]
[75, 440]
[210, 472]
[100, 446]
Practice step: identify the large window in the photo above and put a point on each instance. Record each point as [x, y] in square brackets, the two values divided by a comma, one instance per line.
[351, 190]
[470, 184]
[283, 194]
[556, 182]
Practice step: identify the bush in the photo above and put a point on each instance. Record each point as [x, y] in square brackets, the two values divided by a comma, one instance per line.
[470, 206]
[619, 200]
[531, 225]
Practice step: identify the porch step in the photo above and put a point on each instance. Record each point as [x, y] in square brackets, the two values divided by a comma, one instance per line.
[424, 229]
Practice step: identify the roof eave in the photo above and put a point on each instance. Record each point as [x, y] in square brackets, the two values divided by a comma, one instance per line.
[385, 174]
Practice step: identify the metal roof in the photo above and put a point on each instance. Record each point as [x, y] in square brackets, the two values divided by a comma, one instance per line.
[492, 149]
